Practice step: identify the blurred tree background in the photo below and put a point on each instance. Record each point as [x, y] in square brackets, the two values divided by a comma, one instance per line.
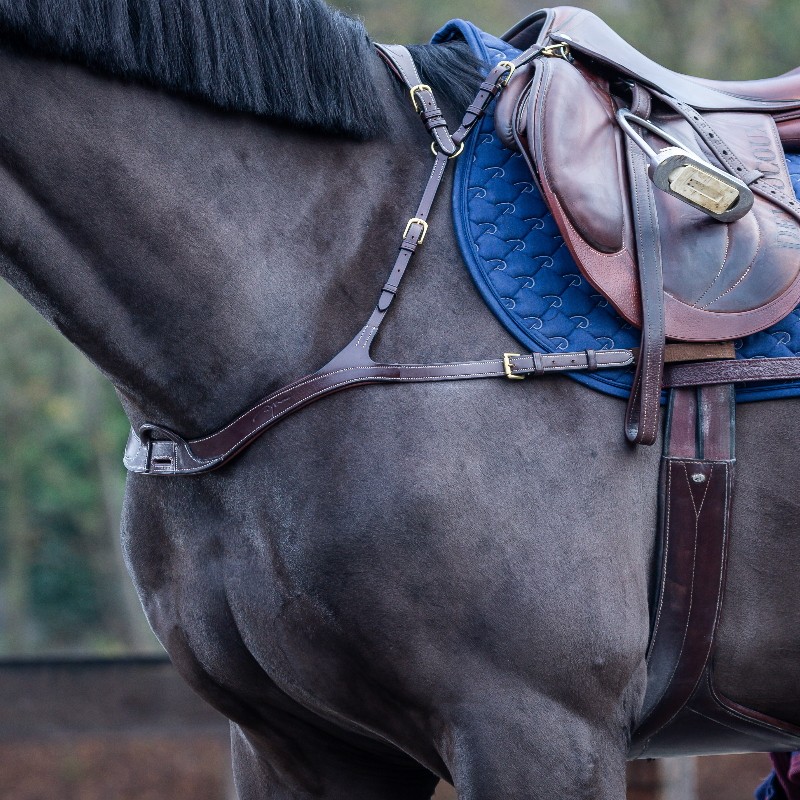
[63, 586]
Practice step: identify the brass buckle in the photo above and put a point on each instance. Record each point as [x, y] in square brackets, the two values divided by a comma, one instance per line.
[420, 87]
[418, 221]
[510, 68]
[508, 367]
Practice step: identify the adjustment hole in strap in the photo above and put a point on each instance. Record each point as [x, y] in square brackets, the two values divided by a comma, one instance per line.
[420, 87]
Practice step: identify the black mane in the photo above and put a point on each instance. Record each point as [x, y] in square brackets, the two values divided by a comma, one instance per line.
[298, 61]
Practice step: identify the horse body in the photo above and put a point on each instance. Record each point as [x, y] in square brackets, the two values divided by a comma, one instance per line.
[399, 582]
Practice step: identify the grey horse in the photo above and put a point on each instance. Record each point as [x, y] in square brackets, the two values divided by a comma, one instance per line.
[399, 583]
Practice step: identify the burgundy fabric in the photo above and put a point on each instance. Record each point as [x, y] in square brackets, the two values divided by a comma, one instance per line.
[787, 773]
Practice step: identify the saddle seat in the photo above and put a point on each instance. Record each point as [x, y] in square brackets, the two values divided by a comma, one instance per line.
[587, 31]
[720, 281]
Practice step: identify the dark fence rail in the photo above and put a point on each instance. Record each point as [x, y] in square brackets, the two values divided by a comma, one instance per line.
[69, 697]
[84, 727]
[93, 729]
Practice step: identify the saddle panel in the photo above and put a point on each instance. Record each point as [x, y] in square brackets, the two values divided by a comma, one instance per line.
[721, 281]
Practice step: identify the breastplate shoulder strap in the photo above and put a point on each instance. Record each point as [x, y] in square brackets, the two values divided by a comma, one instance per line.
[400, 62]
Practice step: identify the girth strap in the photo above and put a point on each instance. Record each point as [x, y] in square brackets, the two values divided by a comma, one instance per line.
[683, 708]
[695, 494]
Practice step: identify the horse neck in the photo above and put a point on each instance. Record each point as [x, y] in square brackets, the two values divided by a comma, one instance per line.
[198, 258]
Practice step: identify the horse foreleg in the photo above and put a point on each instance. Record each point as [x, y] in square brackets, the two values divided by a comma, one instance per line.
[299, 762]
[536, 751]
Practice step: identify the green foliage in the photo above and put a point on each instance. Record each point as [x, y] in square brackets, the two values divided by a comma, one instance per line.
[716, 38]
[59, 420]
[64, 591]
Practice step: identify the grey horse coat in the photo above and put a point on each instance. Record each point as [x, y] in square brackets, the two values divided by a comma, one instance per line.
[399, 583]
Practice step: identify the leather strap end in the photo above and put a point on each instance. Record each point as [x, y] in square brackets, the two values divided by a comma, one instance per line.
[542, 363]
[169, 454]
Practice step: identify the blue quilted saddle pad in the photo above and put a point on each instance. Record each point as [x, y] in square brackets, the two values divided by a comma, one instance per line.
[524, 271]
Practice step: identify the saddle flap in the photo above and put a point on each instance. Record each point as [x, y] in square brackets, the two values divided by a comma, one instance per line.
[567, 108]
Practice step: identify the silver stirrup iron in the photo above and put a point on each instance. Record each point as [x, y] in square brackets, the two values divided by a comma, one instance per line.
[679, 172]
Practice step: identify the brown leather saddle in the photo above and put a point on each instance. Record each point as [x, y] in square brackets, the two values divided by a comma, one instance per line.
[589, 111]
[671, 192]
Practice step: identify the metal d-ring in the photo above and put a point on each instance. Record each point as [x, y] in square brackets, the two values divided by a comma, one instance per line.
[455, 155]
